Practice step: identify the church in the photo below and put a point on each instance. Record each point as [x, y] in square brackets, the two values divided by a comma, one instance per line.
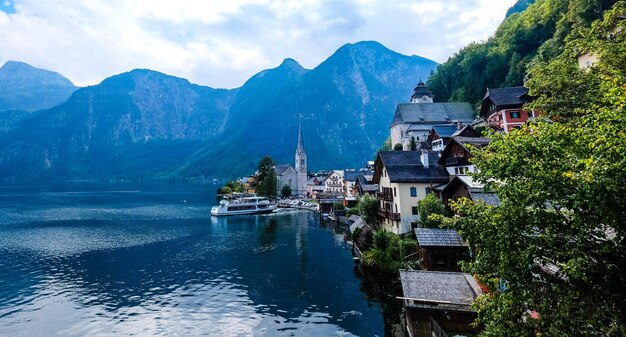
[417, 118]
[296, 178]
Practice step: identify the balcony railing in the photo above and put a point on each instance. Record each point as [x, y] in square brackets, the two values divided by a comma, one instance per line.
[456, 161]
[384, 196]
[389, 214]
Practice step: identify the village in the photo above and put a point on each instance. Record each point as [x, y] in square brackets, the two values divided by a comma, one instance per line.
[427, 164]
[430, 157]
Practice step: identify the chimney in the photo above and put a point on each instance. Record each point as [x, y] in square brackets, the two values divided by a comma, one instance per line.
[424, 158]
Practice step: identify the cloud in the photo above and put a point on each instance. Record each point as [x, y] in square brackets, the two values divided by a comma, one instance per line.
[223, 43]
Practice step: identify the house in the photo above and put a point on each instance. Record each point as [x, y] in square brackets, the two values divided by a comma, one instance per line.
[440, 135]
[416, 119]
[502, 108]
[364, 185]
[464, 186]
[455, 157]
[316, 183]
[439, 303]
[404, 178]
[440, 249]
[333, 184]
[285, 175]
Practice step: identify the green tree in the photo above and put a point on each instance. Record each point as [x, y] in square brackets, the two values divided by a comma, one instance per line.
[367, 208]
[413, 144]
[397, 147]
[557, 238]
[286, 191]
[428, 206]
[266, 178]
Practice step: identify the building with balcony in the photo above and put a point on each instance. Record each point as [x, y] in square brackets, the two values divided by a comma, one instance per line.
[404, 178]
[333, 184]
[502, 108]
[440, 135]
[456, 155]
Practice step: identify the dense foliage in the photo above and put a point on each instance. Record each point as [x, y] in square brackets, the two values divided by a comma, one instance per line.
[428, 206]
[266, 182]
[389, 252]
[557, 240]
[367, 209]
[538, 33]
[285, 192]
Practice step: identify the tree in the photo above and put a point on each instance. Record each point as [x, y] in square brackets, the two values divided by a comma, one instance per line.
[413, 144]
[286, 191]
[367, 208]
[428, 206]
[398, 147]
[557, 238]
[266, 178]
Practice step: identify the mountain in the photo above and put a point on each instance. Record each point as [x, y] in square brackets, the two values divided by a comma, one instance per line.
[23, 87]
[147, 124]
[132, 124]
[347, 104]
[518, 7]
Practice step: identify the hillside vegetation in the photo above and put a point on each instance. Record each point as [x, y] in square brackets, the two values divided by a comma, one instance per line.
[537, 34]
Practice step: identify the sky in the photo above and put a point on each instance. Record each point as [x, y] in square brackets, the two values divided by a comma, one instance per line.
[223, 43]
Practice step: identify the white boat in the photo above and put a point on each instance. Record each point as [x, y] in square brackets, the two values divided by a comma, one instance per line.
[243, 205]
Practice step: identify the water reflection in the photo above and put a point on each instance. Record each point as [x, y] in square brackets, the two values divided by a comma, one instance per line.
[102, 267]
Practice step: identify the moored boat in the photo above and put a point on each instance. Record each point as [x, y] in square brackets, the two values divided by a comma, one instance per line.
[243, 205]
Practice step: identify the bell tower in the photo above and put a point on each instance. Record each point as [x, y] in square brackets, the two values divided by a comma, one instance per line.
[301, 167]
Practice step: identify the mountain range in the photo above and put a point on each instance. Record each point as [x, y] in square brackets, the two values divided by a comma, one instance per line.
[147, 124]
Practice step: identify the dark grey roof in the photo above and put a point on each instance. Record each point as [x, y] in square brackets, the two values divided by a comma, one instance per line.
[445, 131]
[437, 237]
[438, 113]
[490, 198]
[406, 167]
[351, 175]
[439, 287]
[507, 96]
[422, 90]
[476, 141]
[281, 168]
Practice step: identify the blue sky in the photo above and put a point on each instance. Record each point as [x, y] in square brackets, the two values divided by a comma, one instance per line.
[223, 43]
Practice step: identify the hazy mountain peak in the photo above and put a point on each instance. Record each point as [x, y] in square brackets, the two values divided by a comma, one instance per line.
[25, 87]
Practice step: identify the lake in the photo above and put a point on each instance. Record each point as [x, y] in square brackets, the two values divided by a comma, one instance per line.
[150, 260]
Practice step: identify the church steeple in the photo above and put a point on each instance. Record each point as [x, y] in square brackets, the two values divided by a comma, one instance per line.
[422, 94]
[301, 169]
[300, 147]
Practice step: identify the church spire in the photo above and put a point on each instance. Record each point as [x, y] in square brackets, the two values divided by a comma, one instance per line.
[300, 147]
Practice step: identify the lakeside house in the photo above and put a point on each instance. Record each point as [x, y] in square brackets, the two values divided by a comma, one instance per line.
[438, 302]
[440, 249]
[404, 178]
[364, 185]
[417, 118]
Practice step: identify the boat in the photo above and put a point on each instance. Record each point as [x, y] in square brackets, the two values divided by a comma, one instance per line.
[243, 205]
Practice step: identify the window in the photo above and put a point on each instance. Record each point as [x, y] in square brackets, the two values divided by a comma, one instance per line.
[414, 210]
[413, 191]
[302, 161]
[394, 191]
[428, 190]
[515, 114]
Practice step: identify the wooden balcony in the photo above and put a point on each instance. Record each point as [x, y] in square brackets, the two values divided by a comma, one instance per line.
[389, 214]
[457, 161]
[384, 196]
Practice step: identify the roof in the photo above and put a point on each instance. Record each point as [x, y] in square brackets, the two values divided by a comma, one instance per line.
[281, 168]
[351, 175]
[476, 141]
[507, 96]
[437, 237]
[425, 113]
[366, 183]
[439, 287]
[421, 90]
[406, 167]
[445, 131]
[467, 131]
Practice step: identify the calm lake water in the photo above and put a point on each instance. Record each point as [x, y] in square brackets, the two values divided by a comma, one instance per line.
[113, 260]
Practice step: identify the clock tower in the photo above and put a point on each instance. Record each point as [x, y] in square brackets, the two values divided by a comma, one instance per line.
[422, 94]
